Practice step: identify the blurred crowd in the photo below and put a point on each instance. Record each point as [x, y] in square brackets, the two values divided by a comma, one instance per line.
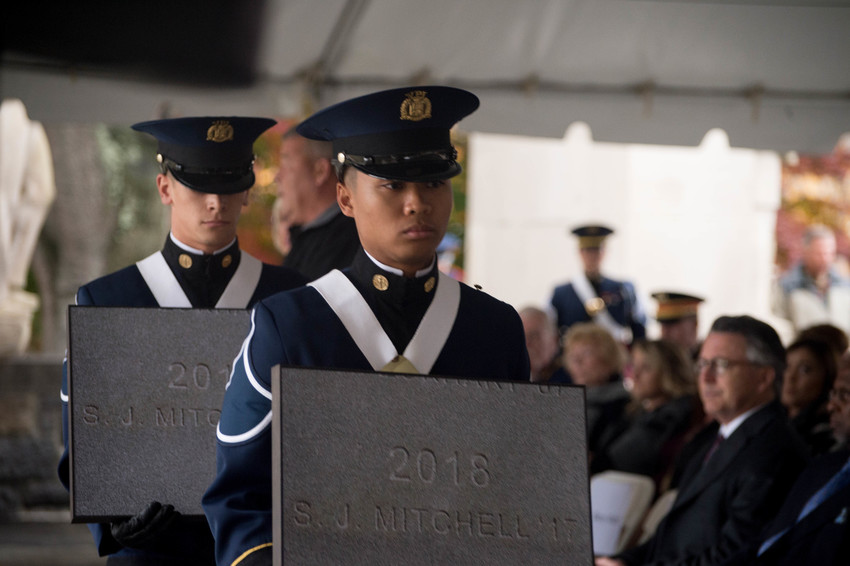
[741, 431]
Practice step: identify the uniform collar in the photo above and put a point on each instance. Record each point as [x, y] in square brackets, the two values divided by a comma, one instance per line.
[193, 263]
[389, 283]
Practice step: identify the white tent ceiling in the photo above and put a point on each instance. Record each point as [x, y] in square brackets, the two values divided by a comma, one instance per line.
[773, 74]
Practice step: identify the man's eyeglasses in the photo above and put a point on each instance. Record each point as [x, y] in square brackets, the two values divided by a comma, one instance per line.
[719, 365]
[839, 395]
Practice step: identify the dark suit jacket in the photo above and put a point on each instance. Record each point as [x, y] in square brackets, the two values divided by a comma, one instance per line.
[822, 537]
[318, 249]
[723, 506]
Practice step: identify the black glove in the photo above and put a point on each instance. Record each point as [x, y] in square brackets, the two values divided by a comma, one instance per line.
[142, 529]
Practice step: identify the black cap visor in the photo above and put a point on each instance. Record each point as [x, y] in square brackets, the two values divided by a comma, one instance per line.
[422, 171]
[221, 182]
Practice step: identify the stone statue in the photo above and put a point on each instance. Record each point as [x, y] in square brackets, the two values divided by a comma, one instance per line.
[27, 190]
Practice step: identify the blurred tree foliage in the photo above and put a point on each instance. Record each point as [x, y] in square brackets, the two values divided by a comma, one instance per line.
[141, 222]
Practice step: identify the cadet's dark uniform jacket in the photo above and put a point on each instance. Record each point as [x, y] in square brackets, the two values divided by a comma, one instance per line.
[301, 328]
[241, 280]
[620, 301]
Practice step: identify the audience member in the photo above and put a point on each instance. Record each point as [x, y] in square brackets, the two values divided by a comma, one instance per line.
[447, 253]
[322, 237]
[812, 524]
[595, 360]
[663, 414]
[813, 291]
[830, 334]
[839, 406]
[541, 340]
[592, 297]
[678, 315]
[746, 460]
[806, 385]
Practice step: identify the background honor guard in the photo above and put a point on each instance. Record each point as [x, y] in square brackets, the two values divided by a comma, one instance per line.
[206, 171]
[590, 296]
[395, 160]
[678, 316]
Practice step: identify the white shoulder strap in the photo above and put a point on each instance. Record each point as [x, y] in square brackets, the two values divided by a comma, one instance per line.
[360, 322]
[585, 293]
[243, 283]
[162, 283]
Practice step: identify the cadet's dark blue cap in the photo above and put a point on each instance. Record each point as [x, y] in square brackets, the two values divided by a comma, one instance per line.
[402, 133]
[592, 236]
[208, 154]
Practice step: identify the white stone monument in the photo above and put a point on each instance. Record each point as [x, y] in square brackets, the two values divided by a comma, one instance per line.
[27, 190]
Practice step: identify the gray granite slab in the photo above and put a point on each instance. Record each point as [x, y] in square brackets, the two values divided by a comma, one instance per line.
[383, 469]
[146, 387]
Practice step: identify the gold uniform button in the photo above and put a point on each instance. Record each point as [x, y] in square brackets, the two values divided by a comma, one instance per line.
[380, 282]
[185, 261]
[226, 261]
[429, 285]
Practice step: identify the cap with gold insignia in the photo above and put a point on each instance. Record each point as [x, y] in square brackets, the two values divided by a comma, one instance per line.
[401, 134]
[673, 306]
[208, 154]
[592, 236]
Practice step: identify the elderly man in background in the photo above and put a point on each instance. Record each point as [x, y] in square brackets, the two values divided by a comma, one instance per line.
[321, 237]
[813, 291]
[542, 342]
[742, 464]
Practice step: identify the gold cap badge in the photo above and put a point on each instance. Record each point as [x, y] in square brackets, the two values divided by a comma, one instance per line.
[380, 282]
[416, 106]
[220, 131]
[185, 261]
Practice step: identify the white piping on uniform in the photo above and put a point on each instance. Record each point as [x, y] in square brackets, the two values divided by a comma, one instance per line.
[237, 438]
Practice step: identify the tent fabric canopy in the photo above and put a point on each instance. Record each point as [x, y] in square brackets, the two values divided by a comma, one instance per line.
[773, 74]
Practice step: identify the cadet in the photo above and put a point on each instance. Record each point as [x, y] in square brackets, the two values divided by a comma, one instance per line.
[590, 296]
[392, 310]
[206, 171]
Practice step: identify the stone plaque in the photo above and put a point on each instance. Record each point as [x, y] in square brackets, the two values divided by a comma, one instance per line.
[381, 469]
[146, 387]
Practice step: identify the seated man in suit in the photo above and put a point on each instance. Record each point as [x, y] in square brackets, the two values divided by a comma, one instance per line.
[743, 463]
[812, 526]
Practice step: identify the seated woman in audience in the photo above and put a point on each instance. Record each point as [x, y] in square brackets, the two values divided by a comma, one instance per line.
[830, 334]
[663, 413]
[810, 372]
[595, 360]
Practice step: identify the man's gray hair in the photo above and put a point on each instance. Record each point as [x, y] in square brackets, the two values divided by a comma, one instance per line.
[316, 148]
[817, 232]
